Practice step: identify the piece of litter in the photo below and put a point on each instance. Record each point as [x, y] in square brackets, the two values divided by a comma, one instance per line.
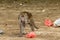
[48, 22]
[43, 10]
[1, 31]
[21, 4]
[57, 22]
[31, 35]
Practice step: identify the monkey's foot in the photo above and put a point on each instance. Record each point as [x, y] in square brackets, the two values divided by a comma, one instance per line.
[24, 33]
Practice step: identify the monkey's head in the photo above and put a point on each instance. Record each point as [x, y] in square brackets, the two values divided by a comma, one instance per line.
[26, 13]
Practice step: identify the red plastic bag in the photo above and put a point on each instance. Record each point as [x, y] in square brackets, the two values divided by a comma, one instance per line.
[48, 22]
[31, 35]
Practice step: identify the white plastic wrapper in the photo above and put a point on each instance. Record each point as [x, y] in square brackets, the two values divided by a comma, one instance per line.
[57, 22]
[1, 31]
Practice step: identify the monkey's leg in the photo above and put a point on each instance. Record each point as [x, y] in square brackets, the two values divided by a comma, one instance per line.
[32, 22]
[35, 26]
[32, 28]
[22, 26]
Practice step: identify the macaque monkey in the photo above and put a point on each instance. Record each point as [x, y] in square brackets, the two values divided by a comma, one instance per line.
[26, 18]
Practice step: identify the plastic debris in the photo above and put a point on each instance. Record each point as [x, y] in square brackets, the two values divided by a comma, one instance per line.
[57, 22]
[31, 35]
[1, 31]
[48, 22]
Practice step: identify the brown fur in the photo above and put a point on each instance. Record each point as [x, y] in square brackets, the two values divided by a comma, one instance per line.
[29, 19]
